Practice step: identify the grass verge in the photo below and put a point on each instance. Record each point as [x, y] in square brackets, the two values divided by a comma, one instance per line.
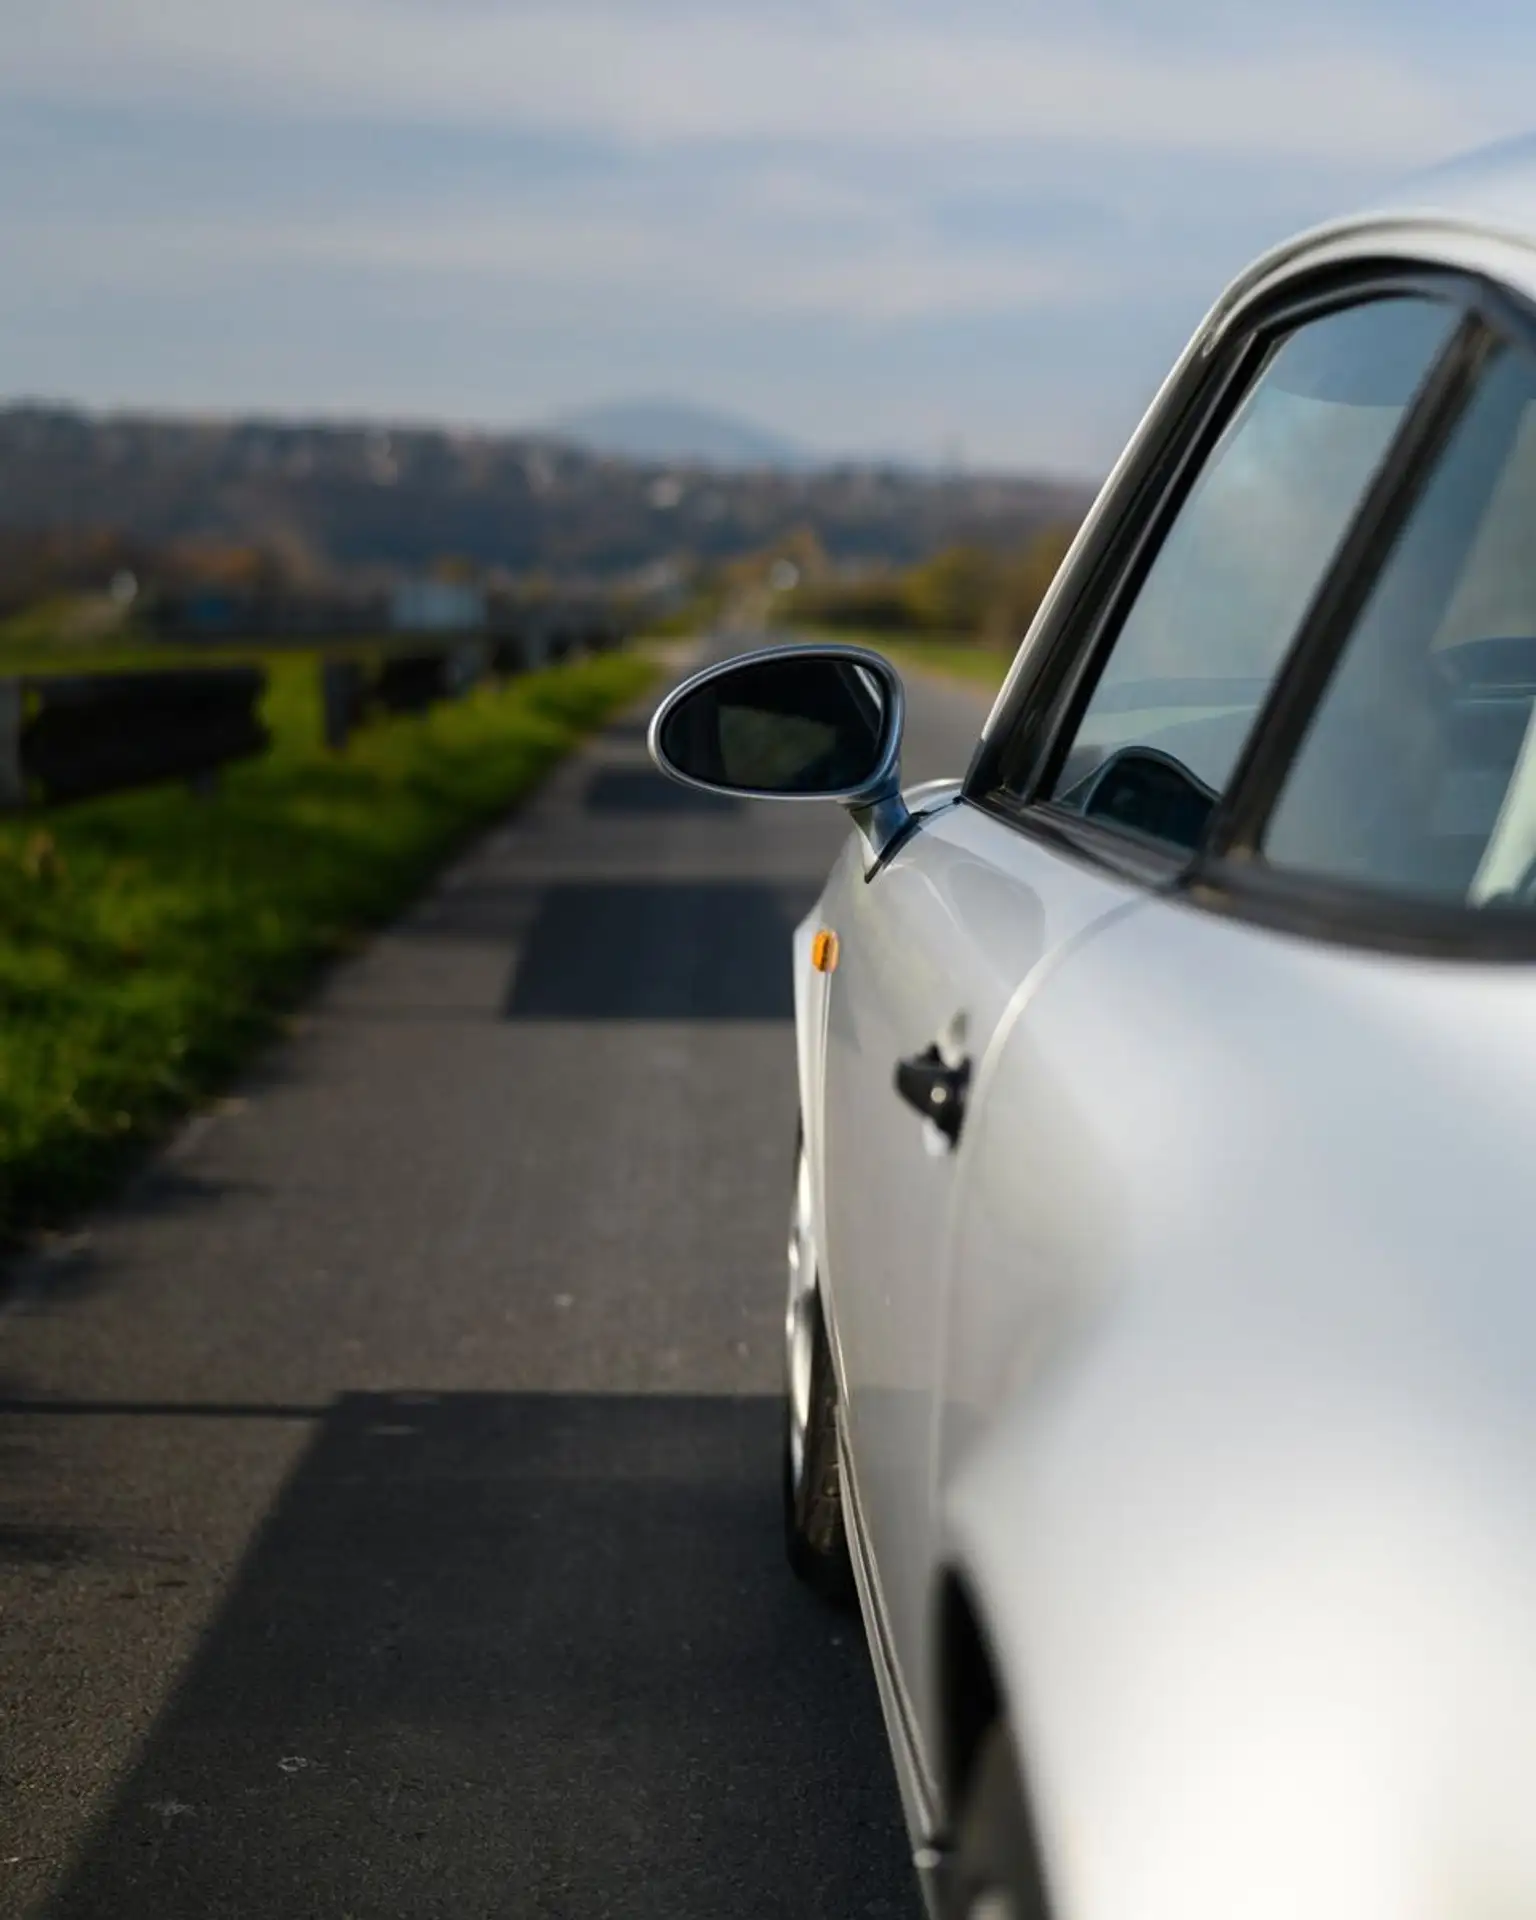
[152, 940]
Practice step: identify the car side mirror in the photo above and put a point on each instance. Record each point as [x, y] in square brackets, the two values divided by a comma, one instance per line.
[793, 723]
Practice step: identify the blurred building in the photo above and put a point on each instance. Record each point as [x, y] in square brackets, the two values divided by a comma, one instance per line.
[437, 606]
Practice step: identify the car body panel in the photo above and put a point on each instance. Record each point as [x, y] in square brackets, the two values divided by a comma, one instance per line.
[1238, 1438]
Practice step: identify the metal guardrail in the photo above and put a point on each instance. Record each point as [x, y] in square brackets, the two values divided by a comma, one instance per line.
[68, 736]
[407, 682]
[412, 682]
[344, 699]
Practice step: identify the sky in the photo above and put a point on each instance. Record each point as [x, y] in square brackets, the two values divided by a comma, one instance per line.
[959, 230]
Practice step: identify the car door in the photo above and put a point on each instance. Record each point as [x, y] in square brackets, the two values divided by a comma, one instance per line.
[930, 955]
[1131, 710]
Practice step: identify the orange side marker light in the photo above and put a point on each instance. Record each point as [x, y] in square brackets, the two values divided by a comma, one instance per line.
[824, 951]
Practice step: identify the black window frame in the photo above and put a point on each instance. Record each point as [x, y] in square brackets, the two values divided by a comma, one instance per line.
[1011, 771]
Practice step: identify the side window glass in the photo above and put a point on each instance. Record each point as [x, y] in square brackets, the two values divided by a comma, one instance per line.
[1417, 774]
[1225, 594]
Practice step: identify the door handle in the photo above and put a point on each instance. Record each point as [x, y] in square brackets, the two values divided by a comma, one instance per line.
[937, 1088]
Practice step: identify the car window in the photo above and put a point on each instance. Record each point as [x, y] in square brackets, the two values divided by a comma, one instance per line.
[1417, 773]
[1215, 614]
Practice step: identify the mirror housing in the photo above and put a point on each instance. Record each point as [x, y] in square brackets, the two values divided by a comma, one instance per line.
[793, 723]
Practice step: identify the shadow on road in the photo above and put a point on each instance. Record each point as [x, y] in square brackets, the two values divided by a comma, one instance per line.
[514, 1655]
[660, 950]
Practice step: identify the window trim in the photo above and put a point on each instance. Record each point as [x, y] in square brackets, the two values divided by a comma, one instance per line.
[1224, 874]
[1337, 913]
[1042, 711]
[1099, 843]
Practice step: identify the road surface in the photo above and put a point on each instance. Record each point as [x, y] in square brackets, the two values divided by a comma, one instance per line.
[388, 1514]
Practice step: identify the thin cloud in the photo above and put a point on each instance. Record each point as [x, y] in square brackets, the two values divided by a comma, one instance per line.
[714, 261]
[873, 222]
[660, 74]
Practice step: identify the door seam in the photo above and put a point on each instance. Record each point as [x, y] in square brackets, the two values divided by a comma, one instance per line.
[1020, 999]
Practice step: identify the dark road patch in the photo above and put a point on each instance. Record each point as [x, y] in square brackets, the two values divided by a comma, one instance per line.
[660, 950]
[514, 1655]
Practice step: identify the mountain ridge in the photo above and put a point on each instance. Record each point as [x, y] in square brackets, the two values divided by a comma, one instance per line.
[664, 431]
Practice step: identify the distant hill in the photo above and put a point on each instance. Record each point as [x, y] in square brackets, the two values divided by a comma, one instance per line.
[665, 431]
[330, 498]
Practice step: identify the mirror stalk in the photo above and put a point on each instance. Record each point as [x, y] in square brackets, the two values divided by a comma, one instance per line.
[882, 820]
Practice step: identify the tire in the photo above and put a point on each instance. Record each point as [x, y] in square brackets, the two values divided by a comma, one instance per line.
[815, 1537]
[994, 1874]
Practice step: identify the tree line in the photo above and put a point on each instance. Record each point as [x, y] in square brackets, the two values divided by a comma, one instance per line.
[963, 592]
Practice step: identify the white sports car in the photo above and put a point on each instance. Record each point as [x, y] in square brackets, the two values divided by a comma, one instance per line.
[1162, 1273]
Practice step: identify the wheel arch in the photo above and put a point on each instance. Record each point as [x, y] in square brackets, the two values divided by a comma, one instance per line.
[969, 1695]
[972, 1699]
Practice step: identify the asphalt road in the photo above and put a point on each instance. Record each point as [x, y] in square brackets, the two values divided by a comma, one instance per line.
[388, 1513]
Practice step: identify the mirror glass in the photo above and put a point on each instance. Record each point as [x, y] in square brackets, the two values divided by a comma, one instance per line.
[809, 724]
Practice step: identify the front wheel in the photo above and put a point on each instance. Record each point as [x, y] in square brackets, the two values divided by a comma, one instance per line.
[815, 1536]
